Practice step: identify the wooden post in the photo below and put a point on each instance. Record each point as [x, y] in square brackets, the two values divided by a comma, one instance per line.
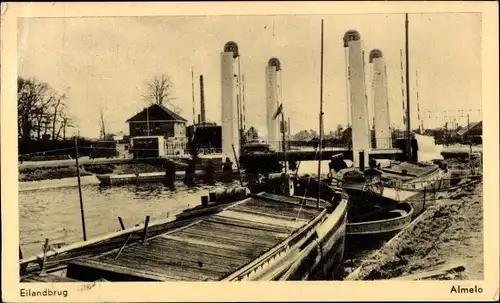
[362, 161]
[24, 266]
[237, 164]
[320, 147]
[121, 223]
[80, 190]
[44, 258]
[204, 201]
[145, 232]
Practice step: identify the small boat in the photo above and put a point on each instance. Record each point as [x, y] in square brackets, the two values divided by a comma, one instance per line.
[383, 223]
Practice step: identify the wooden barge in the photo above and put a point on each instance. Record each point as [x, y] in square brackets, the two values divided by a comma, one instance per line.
[257, 237]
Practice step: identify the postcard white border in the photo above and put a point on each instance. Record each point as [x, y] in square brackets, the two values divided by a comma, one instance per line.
[242, 291]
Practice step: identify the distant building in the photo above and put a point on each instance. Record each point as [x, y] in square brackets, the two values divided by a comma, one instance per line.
[205, 137]
[472, 132]
[158, 120]
[473, 129]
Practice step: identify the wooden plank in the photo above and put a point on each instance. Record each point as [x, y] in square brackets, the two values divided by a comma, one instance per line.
[269, 211]
[249, 224]
[305, 202]
[167, 269]
[226, 228]
[245, 251]
[218, 231]
[262, 219]
[166, 253]
[115, 267]
[140, 264]
[241, 239]
[242, 250]
[282, 206]
[170, 262]
[48, 278]
[195, 252]
[200, 241]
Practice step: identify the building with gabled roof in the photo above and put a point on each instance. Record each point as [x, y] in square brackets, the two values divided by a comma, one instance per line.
[473, 129]
[158, 120]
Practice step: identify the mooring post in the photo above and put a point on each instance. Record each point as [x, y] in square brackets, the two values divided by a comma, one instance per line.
[237, 165]
[362, 160]
[23, 266]
[170, 174]
[204, 201]
[44, 258]
[145, 232]
[80, 190]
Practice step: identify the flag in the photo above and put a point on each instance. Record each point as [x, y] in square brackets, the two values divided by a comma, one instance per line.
[278, 111]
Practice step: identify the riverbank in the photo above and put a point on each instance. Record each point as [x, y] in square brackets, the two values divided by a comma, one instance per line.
[57, 183]
[449, 232]
[30, 173]
[64, 172]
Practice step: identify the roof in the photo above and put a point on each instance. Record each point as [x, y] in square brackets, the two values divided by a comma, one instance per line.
[471, 126]
[156, 112]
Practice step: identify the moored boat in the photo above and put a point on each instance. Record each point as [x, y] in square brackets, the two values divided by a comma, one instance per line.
[235, 238]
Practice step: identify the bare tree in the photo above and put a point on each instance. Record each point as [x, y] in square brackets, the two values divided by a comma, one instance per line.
[39, 109]
[65, 123]
[160, 91]
[34, 99]
[58, 106]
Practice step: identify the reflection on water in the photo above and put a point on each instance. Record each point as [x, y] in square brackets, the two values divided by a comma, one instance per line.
[55, 213]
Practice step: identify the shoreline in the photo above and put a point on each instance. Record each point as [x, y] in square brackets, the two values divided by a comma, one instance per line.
[57, 183]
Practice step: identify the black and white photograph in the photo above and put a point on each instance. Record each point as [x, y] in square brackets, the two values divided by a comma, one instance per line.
[215, 147]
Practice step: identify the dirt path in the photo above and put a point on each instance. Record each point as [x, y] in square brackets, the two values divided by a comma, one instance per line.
[451, 232]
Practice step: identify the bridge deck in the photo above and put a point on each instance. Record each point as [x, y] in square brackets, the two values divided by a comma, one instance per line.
[311, 155]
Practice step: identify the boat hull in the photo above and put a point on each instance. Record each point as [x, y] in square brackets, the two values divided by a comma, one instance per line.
[322, 259]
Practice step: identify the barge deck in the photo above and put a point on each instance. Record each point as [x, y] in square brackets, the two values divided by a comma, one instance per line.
[210, 249]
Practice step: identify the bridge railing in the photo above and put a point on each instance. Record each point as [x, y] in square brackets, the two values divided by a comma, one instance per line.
[384, 143]
[298, 144]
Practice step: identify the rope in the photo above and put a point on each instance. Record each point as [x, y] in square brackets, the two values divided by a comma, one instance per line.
[305, 193]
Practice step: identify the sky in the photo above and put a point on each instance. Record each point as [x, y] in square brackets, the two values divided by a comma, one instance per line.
[106, 63]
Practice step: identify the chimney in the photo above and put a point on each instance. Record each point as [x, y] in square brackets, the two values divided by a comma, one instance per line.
[202, 100]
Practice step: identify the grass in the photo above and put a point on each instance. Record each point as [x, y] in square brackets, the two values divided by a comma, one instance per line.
[38, 174]
[50, 173]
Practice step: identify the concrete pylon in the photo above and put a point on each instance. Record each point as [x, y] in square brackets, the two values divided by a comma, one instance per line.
[273, 70]
[230, 132]
[361, 141]
[380, 100]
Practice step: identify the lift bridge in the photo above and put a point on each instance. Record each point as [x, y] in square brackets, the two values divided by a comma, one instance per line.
[272, 161]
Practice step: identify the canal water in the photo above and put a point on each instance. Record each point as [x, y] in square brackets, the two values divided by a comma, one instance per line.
[55, 213]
